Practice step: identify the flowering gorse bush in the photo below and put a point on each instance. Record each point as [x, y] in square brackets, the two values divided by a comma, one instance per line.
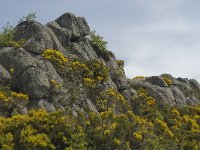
[55, 57]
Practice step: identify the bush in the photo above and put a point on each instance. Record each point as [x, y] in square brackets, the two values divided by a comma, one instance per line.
[6, 36]
[29, 17]
[100, 46]
[92, 72]
[55, 57]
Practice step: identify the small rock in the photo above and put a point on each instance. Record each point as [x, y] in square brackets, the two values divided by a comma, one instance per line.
[4, 76]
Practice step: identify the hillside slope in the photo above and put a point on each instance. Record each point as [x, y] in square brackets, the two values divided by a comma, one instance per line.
[64, 66]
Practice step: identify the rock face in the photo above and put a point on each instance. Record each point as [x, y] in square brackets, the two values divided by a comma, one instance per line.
[33, 74]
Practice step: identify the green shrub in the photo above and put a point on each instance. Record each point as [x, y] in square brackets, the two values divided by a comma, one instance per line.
[29, 17]
[100, 46]
[6, 36]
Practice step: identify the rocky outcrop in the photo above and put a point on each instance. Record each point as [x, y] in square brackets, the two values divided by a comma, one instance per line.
[77, 26]
[33, 74]
[37, 37]
[181, 92]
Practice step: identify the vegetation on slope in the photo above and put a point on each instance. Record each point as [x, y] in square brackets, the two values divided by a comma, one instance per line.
[145, 124]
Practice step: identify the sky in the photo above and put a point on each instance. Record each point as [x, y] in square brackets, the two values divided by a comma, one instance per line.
[151, 36]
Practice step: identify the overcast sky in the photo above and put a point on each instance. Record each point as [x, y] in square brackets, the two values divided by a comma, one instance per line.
[152, 36]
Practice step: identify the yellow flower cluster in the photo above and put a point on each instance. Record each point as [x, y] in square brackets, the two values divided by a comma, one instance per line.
[8, 142]
[117, 141]
[106, 114]
[139, 77]
[76, 65]
[56, 84]
[192, 123]
[56, 57]
[12, 70]
[106, 132]
[89, 82]
[144, 97]
[102, 104]
[92, 72]
[113, 126]
[175, 112]
[98, 128]
[137, 136]
[4, 98]
[151, 101]
[17, 44]
[164, 127]
[20, 96]
[116, 95]
[167, 80]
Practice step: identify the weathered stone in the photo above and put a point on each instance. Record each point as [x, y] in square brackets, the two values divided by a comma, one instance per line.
[78, 27]
[89, 105]
[184, 87]
[63, 35]
[156, 80]
[36, 36]
[179, 96]
[183, 80]
[84, 27]
[44, 104]
[48, 68]
[56, 43]
[168, 94]
[17, 59]
[192, 101]
[194, 84]
[4, 76]
[31, 74]
[83, 50]
[33, 82]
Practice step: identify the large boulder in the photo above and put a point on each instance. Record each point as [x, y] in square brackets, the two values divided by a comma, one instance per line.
[19, 60]
[37, 37]
[33, 82]
[31, 74]
[77, 26]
